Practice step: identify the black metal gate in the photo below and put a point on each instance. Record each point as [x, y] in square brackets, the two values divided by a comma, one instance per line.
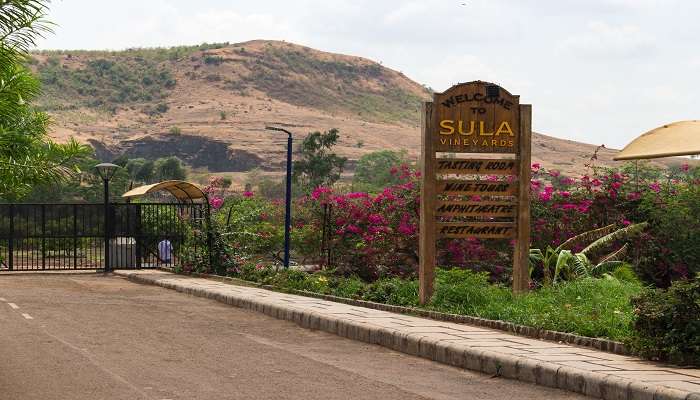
[72, 236]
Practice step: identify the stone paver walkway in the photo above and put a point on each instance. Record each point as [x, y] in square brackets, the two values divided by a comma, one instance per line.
[584, 370]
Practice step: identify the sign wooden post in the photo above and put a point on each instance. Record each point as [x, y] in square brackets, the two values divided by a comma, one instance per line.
[428, 197]
[484, 191]
[521, 253]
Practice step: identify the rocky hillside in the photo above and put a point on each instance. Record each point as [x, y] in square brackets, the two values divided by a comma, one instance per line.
[209, 104]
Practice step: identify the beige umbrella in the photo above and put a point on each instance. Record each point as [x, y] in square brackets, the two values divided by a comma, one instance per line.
[185, 192]
[677, 139]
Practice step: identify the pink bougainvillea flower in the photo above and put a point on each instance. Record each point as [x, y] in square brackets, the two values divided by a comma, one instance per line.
[656, 187]
[353, 229]
[596, 182]
[545, 196]
[535, 167]
[248, 194]
[357, 195]
[407, 229]
[567, 181]
[616, 185]
[216, 202]
[320, 191]
[554, 173]
[685, 167]
[565, 194]
[376, 219]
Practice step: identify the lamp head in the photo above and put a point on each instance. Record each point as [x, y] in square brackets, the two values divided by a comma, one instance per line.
[106, 170]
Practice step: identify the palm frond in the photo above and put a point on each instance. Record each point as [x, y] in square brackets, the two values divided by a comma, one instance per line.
[616, 255]
[586, 237]
[21, 23]
[623, 233]
[607, 267]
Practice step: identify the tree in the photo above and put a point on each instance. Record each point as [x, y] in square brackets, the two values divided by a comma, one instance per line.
[375, 169]
[141, 170]
[318, 165]
[27, 156]
[170, 168]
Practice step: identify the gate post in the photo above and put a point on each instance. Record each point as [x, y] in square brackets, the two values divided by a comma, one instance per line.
[138, 239]
[43, 236]
[11, 239]
[106, 226]
[75, 236]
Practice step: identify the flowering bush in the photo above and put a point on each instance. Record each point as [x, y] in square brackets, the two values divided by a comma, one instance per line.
[563, 206]
[374, 235]
[377, 235]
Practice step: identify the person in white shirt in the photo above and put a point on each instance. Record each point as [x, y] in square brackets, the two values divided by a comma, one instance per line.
[165, 251]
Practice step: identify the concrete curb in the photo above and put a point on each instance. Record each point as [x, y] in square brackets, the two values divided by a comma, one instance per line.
[610, 346]
[593, 384]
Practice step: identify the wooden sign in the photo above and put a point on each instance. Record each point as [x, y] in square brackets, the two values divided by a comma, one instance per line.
[476, 188]
[475, 209]
[483, 230]
[477, 166]
[476, 117]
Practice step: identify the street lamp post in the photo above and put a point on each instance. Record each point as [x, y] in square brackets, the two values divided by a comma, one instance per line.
[106, 172]
[288, 194]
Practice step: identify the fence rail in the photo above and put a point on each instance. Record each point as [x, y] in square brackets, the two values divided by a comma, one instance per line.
[72, 236]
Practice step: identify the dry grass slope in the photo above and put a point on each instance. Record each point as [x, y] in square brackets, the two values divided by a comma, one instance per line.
[209, 104]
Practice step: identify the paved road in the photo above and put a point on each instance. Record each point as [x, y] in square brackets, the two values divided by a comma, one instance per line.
[95, 337]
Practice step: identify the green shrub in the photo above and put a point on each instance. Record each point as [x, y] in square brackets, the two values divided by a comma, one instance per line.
[396, 291]
[105, 82]
[213, 60]
[668, 323]
[461, 291]
[351, 288]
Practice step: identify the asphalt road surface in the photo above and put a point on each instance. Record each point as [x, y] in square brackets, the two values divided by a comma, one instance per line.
[101, 337]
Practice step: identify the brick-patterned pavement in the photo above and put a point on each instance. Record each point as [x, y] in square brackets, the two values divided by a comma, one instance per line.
[585, 370]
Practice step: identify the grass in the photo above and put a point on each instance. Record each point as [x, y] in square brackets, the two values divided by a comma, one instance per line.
[590, 307]
[104, 83]
[113, 80]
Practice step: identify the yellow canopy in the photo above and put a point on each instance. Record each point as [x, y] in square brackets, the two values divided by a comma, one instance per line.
[676, 139]
[185, 192]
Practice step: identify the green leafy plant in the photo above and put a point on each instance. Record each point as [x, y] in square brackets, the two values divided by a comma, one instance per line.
[27, 156]
[667, 324]
[562, 263]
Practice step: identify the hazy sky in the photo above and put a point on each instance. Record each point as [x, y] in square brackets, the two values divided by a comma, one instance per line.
[598, 71]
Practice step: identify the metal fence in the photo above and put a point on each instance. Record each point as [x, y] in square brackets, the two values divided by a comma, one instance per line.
[72, 236]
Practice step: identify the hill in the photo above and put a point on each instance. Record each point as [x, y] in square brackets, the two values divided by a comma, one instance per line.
[209, 104]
